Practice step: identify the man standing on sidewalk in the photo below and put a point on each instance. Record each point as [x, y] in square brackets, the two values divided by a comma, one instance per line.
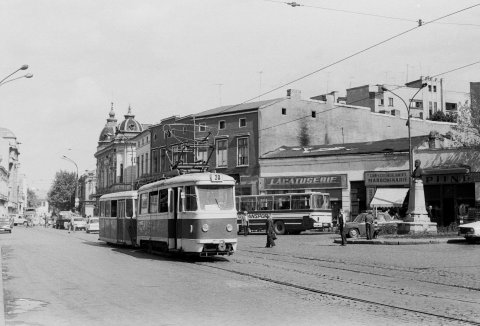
[341, 226]
[369, 226]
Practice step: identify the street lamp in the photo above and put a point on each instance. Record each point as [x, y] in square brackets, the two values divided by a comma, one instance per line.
[408, 107]
[24, 67]
[76, 179]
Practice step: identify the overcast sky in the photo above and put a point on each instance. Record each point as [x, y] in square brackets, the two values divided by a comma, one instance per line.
[184, 56]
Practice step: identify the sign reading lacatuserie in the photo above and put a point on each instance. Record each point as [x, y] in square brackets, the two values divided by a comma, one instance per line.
[299, 182]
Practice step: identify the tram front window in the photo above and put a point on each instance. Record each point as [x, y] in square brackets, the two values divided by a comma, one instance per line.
[215, 198]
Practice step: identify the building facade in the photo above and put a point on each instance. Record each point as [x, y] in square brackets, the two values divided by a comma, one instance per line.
[87, 184]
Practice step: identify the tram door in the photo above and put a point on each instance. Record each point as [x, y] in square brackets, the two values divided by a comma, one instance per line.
[121, 221]
[172, 227]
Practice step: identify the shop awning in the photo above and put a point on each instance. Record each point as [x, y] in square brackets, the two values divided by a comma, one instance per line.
[389, 197]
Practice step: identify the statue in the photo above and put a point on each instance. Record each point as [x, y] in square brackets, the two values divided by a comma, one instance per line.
[418, 172]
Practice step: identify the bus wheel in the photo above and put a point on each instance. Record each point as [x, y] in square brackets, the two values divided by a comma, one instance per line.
[279, 227]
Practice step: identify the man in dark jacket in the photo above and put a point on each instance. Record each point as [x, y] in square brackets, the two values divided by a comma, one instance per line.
[270, 232]
[341, 226]
[369, 226]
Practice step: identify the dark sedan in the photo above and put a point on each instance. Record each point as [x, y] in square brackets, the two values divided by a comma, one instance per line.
[356, 228]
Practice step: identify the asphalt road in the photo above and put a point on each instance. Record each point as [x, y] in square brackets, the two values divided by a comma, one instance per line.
[51, 277]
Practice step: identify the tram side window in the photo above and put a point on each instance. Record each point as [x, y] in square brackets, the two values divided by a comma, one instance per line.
[300, 202]
[114, 208]
[129, 208]
[107, 208]
[102, 209]
[281, 202]
[163, 202]
[190, 199]
[143, 203]
[153, 202]
[247, 204]
[318, 201]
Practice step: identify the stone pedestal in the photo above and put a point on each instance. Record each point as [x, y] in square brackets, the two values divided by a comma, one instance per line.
[417, 220]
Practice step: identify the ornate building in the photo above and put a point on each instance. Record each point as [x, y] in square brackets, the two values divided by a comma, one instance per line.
[116, 154]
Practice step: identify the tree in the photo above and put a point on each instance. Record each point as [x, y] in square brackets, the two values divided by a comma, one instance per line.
[440, 116]
[62, 192]
[32, 199]
[467, 130]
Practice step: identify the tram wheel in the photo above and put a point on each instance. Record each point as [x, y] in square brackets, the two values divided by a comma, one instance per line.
[279, 227]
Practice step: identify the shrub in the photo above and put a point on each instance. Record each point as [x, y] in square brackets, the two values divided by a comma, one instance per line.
[387, 229]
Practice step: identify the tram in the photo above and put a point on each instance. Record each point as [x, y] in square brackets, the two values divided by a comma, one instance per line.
[117, 220]
[191, 213]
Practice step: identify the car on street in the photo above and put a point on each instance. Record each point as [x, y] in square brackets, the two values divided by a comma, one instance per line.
[6, 224]
[356, 228]
[471, 231]
[80, 223]
[18, 219]
[92, 225]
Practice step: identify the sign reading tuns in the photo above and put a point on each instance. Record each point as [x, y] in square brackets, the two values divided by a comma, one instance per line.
[386, 178]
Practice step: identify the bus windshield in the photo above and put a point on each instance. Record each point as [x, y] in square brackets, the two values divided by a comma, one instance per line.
[215, 198]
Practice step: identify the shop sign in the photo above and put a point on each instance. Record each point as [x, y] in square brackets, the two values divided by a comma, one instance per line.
[451, 178]
[386, 178]
[299, 182]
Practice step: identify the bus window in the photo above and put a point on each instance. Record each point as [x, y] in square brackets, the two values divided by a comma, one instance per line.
[129, 208]
[143, 204]
[215, 197]
[114, 209]
[153, 202]
[282, 202]
[265, 203]
[163, 202]
[190, 199]
[247, 204]
[300, 201]
[317, 201]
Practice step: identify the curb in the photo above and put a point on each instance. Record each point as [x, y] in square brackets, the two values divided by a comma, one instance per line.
[401, 242]
[2, 303]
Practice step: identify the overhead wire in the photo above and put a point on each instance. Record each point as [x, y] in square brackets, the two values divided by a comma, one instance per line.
[352, 55]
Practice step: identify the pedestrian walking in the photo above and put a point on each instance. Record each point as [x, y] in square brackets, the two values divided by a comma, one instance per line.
[369, 226]
[71, 225]
[341, 226]
[245, 223]
[271, 236]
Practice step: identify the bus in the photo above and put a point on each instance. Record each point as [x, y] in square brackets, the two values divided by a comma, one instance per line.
[118, 219]
[192, 213]
[291, 212]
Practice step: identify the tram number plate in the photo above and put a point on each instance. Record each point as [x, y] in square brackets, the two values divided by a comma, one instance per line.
[216, 178]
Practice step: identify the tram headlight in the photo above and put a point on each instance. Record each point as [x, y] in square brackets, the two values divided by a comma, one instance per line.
[229, 227]
[205, 227]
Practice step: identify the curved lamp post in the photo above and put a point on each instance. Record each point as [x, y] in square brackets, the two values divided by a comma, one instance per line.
[76, 178]
[408, 107]
[6, 80]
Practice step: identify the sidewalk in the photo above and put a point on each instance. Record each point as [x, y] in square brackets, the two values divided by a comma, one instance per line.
[402, 241]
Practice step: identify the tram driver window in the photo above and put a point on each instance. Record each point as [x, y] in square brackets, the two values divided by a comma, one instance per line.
[114, 208]
[163, 202]
[190, 199]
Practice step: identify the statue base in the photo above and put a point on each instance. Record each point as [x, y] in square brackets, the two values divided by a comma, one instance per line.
[417, 227]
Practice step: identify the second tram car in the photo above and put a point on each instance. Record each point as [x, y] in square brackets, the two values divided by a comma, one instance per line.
[117, 221]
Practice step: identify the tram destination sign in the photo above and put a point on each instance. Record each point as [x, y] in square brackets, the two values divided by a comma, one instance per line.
[301, 182]
[386, 178]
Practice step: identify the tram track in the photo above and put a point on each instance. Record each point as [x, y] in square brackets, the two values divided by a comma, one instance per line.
[340, 296]
[318, 263]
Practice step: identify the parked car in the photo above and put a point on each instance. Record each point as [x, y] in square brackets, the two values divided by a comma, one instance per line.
[471, 231]
[357, 228]
[80, 223]
[92, 225]
[6, 224]
[18, 220]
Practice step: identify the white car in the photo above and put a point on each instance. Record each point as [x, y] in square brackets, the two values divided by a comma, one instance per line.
[92, 225]
[80, 223]
[471, 231]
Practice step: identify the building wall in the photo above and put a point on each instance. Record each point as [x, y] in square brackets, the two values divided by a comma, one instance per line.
[333, 124]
